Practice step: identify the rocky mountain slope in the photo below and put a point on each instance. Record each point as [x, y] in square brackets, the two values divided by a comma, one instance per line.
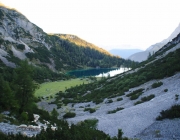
[137, 118]
[20, 39]
[120, 102]
[142, 56]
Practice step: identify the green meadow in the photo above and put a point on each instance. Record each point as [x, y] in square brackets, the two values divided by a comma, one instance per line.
[51, 88]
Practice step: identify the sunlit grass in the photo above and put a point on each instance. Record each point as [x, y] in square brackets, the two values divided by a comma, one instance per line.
[51, 88]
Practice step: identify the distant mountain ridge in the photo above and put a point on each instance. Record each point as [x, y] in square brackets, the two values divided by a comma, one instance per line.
[142, 56]
[124, 53]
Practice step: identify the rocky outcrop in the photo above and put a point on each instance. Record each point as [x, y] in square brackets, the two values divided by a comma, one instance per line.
[7, 128]
[16, 29]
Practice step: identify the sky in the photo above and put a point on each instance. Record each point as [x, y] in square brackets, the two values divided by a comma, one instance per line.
[106, 23]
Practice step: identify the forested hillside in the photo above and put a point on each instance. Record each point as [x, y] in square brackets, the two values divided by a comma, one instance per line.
[17, 98]
[29, 56]
[163, 63]
[20, 39]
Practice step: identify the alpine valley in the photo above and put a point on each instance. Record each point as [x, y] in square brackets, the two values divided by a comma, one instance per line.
[39, 101]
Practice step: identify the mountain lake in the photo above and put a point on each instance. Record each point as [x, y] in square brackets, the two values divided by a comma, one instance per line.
[98, 72]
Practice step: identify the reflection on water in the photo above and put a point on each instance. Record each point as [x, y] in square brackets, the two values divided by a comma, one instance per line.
[102, 72]
[113, 72]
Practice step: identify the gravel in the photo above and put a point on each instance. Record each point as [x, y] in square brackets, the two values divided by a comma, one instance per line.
[162, 130]
[135, 121]
[7, 128]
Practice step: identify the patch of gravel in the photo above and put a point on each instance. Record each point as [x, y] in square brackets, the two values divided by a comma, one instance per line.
[18, 53]
[45, 106]
[133, 119]
[12, 129]
[161, 130]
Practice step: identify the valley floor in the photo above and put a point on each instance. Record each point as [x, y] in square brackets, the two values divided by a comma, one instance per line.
[134, 120]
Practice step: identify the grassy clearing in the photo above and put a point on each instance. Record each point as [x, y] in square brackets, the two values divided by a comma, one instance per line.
[51, 88]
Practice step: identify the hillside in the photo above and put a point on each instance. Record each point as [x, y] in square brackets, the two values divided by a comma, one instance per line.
[130, 101]
[142, 56]
[80, 42]
[20, 39]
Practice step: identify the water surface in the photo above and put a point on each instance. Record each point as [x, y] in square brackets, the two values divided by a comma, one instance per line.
[101, 72]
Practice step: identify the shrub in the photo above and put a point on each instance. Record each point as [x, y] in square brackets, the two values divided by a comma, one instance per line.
[21, 46]
[59, 106]
[165, 90]
[54, 113]
[89, 123]
[1, 117]
[114, 111]
[24, 116]
[69, 115]
[109, 101]
[135, 92]
[135, 96]
[138, 102]
[119, 99]
[173, 112]
[145, 99]
[176, 97]
[157, 84]
[91, 110]
[98, 101]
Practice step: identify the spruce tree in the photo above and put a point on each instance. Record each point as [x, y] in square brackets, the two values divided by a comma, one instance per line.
[25, 85]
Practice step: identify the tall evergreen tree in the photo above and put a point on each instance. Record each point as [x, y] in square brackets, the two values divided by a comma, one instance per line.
[25, 85]
[7, 99]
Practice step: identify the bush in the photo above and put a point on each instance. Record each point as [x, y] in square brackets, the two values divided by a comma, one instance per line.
[54, 113]
[1, 117]
[173, 112]
[119, 99]
[91, 110]
[157, 84]
[176, 97]
[165, 90]
[109, 101]
[24, 116]
[114, 111]
[21, 46]
[98, 101]
[135, 92]
[138, 102]
[134, 97]
[89, 123]
[145, 99]
[69, 115]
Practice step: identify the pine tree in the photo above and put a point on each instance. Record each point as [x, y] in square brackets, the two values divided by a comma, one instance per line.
[54, 113]
[7, 99]
[25, 85]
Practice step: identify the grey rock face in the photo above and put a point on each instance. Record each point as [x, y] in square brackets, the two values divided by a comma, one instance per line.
[12, 129]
